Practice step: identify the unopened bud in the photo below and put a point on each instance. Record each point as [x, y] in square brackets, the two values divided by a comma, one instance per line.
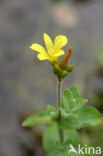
[69, 68]
[65, 59]
[57, 71]
[64, 73]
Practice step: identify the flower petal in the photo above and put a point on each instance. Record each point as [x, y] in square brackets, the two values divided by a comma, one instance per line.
[42, 57]
[59, 53]
[38, 48]
[59, 42]
[48, 41]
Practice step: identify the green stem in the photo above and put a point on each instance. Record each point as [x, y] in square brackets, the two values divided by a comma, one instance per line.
[59, 103]
[59, 93]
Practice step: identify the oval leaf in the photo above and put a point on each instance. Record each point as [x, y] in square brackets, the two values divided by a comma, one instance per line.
[37, 120]
[85, 116]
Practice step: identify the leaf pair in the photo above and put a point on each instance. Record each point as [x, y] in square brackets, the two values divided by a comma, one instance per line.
[74, 114]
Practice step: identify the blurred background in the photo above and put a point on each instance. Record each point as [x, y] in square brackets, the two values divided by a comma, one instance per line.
[28, 85]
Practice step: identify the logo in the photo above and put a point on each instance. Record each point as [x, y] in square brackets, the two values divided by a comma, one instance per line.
[85, 149]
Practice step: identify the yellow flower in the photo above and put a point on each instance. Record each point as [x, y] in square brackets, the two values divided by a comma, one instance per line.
[53, 50]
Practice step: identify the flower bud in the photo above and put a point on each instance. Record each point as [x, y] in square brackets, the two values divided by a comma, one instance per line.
[69, 68]
[65, 59]
[64, 74]
[57, 71]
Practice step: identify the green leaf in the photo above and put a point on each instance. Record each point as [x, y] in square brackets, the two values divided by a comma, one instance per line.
[63, 150]
[72, 100]
[42, 118]
[71, 136]
[85, 116]
[37, 120]
[51, 139]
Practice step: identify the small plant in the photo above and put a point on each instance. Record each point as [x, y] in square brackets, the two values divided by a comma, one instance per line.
[71, 113]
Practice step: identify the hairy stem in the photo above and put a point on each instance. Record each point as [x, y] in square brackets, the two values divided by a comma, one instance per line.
[59, 103]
